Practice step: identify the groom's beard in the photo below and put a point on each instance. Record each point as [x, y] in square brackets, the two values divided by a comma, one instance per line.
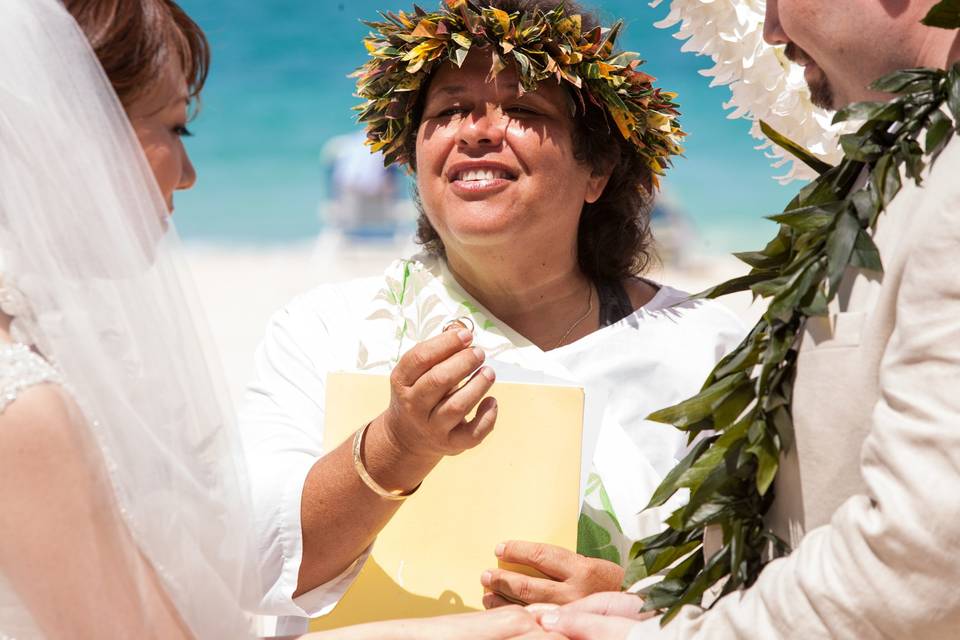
[821, 93]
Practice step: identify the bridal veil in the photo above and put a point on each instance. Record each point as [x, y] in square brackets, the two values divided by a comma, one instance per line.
[100, 291]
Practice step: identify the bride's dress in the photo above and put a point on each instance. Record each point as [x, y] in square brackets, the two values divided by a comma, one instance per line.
[20, 369]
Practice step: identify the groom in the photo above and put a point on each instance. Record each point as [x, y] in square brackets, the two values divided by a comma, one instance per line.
[869, 496]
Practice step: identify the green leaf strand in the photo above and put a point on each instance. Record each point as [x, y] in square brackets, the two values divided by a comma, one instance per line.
[740, 423]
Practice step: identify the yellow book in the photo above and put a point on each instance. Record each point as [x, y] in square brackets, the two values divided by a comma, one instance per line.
[521, 483]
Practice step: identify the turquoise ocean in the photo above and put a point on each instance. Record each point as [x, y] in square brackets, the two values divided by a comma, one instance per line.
[278, 90]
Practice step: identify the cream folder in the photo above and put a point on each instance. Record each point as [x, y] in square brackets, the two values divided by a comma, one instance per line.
[521, 483]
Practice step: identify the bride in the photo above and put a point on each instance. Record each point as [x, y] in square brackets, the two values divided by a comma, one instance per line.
[122, 488]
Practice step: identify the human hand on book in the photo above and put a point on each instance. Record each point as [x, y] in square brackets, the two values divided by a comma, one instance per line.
[431, 397]
[567, 576]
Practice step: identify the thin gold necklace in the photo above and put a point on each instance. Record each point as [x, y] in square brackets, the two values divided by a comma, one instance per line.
[580, 319]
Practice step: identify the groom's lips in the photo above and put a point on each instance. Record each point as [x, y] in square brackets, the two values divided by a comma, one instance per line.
[811, 70]
[799, 56]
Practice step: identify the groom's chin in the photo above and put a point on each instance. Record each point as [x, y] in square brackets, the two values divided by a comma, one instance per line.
[821, 92]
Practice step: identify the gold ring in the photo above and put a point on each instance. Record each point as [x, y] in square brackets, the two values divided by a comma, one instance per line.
[462, 321]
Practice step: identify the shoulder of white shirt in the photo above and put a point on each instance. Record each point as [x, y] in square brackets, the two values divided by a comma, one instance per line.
[706, 311]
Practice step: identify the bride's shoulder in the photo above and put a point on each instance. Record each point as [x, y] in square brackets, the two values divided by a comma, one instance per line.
[22, 369]
[37, 421]
[46, 455]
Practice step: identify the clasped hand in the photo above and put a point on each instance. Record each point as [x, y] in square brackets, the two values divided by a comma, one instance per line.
[568, 576]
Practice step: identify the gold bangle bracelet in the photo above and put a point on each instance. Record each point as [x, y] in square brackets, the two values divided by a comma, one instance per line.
[372, 484]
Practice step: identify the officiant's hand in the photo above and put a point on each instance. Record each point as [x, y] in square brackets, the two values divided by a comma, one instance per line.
[426, 418]
[568, 575]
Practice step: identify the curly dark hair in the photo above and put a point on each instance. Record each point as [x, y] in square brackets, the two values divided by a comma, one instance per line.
[614, 239]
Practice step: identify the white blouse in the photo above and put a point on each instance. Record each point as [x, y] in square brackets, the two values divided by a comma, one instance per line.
[657, 356]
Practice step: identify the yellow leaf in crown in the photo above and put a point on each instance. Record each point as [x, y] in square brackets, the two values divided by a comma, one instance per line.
[415, 66]
[659, 122]
[409, 84]
[455, 4]
[605, 69]
[421, 50]
[625, 120]
[402, 17]
[425, 29]
[572, 26]
[503, 19]
[462, 39]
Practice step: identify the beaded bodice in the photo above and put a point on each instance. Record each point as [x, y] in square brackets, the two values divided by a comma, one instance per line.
[20, 369]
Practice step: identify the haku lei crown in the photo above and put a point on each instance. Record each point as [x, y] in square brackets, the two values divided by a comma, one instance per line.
[406, 48]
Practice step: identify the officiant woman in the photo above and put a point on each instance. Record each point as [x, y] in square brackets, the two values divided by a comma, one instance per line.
[536, 151]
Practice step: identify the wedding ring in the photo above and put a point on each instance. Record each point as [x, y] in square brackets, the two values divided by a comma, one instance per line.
[461, 323]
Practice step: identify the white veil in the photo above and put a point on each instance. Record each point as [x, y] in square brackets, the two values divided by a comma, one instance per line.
[83, 236]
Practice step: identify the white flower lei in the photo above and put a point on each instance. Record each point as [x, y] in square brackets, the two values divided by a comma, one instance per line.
[765, 85]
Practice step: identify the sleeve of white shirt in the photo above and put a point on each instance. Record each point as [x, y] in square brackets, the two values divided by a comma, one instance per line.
[888, 563]
[282, 425]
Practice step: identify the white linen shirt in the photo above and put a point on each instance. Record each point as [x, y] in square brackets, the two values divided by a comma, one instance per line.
[657, 356]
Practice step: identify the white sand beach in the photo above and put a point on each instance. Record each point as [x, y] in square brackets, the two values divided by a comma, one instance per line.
[241, 287]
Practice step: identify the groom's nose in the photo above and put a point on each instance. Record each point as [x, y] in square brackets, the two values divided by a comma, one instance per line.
[772, 30]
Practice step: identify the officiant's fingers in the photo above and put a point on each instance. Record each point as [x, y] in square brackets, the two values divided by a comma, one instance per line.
[555, 562]
[469, 434]
[424, 356]
[442, 381]
[495, 601]
[524, 589]
[452, 409]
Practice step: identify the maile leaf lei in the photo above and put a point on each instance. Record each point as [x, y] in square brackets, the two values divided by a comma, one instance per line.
[945, 14]
[405, 49]
[745, 403]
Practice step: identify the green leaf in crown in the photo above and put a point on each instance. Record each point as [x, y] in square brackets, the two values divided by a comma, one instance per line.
[745, 403]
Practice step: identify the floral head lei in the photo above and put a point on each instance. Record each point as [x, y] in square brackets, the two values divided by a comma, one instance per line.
[406, 49]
